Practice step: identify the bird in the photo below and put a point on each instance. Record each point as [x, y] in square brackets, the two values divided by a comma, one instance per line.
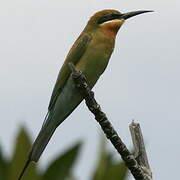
[90, 54]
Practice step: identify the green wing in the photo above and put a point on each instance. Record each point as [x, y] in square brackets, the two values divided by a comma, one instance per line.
[74, 55]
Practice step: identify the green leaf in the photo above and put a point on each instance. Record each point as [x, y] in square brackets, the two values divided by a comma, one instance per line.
[60, 169]
[111, 170]
[3, 167]
[103, 161]
[107, 168]
[70, 177]
[116, 171]
[20, 155]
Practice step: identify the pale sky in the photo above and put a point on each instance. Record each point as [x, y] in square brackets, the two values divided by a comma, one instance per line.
[141, 81]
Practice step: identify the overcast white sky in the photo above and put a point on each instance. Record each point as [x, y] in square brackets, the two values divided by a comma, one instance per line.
[141, 81]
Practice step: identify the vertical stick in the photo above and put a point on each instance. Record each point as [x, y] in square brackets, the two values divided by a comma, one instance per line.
[139, 148]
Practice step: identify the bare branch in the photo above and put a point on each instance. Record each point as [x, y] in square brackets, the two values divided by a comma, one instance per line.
[139, 147]
[106, 126]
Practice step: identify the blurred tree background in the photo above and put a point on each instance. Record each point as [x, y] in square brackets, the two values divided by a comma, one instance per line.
[60, 168]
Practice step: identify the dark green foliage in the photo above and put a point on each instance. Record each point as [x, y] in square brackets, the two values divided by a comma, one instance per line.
[61, 167]
[107, 168]
[22, 148]
[3, 166]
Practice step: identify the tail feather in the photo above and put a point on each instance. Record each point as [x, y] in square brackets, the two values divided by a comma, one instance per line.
[38, 147]
[24, 169]
[41, 142]
[67, 101]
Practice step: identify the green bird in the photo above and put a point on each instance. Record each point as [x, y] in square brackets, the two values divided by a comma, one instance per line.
[90, 54]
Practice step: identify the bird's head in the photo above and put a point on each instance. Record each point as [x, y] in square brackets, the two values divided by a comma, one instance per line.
[109, 21]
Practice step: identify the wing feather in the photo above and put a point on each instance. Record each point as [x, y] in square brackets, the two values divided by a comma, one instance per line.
[74, 55]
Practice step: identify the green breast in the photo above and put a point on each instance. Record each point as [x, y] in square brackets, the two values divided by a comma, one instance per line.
[96, 58]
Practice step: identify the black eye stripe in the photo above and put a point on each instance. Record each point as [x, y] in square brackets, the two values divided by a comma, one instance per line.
[108, 17]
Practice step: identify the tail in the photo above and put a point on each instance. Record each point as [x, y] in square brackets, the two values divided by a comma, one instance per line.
[39, 145]
[41, 142]
[24, 169]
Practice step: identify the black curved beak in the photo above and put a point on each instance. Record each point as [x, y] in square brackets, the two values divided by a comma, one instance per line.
[131, 14]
